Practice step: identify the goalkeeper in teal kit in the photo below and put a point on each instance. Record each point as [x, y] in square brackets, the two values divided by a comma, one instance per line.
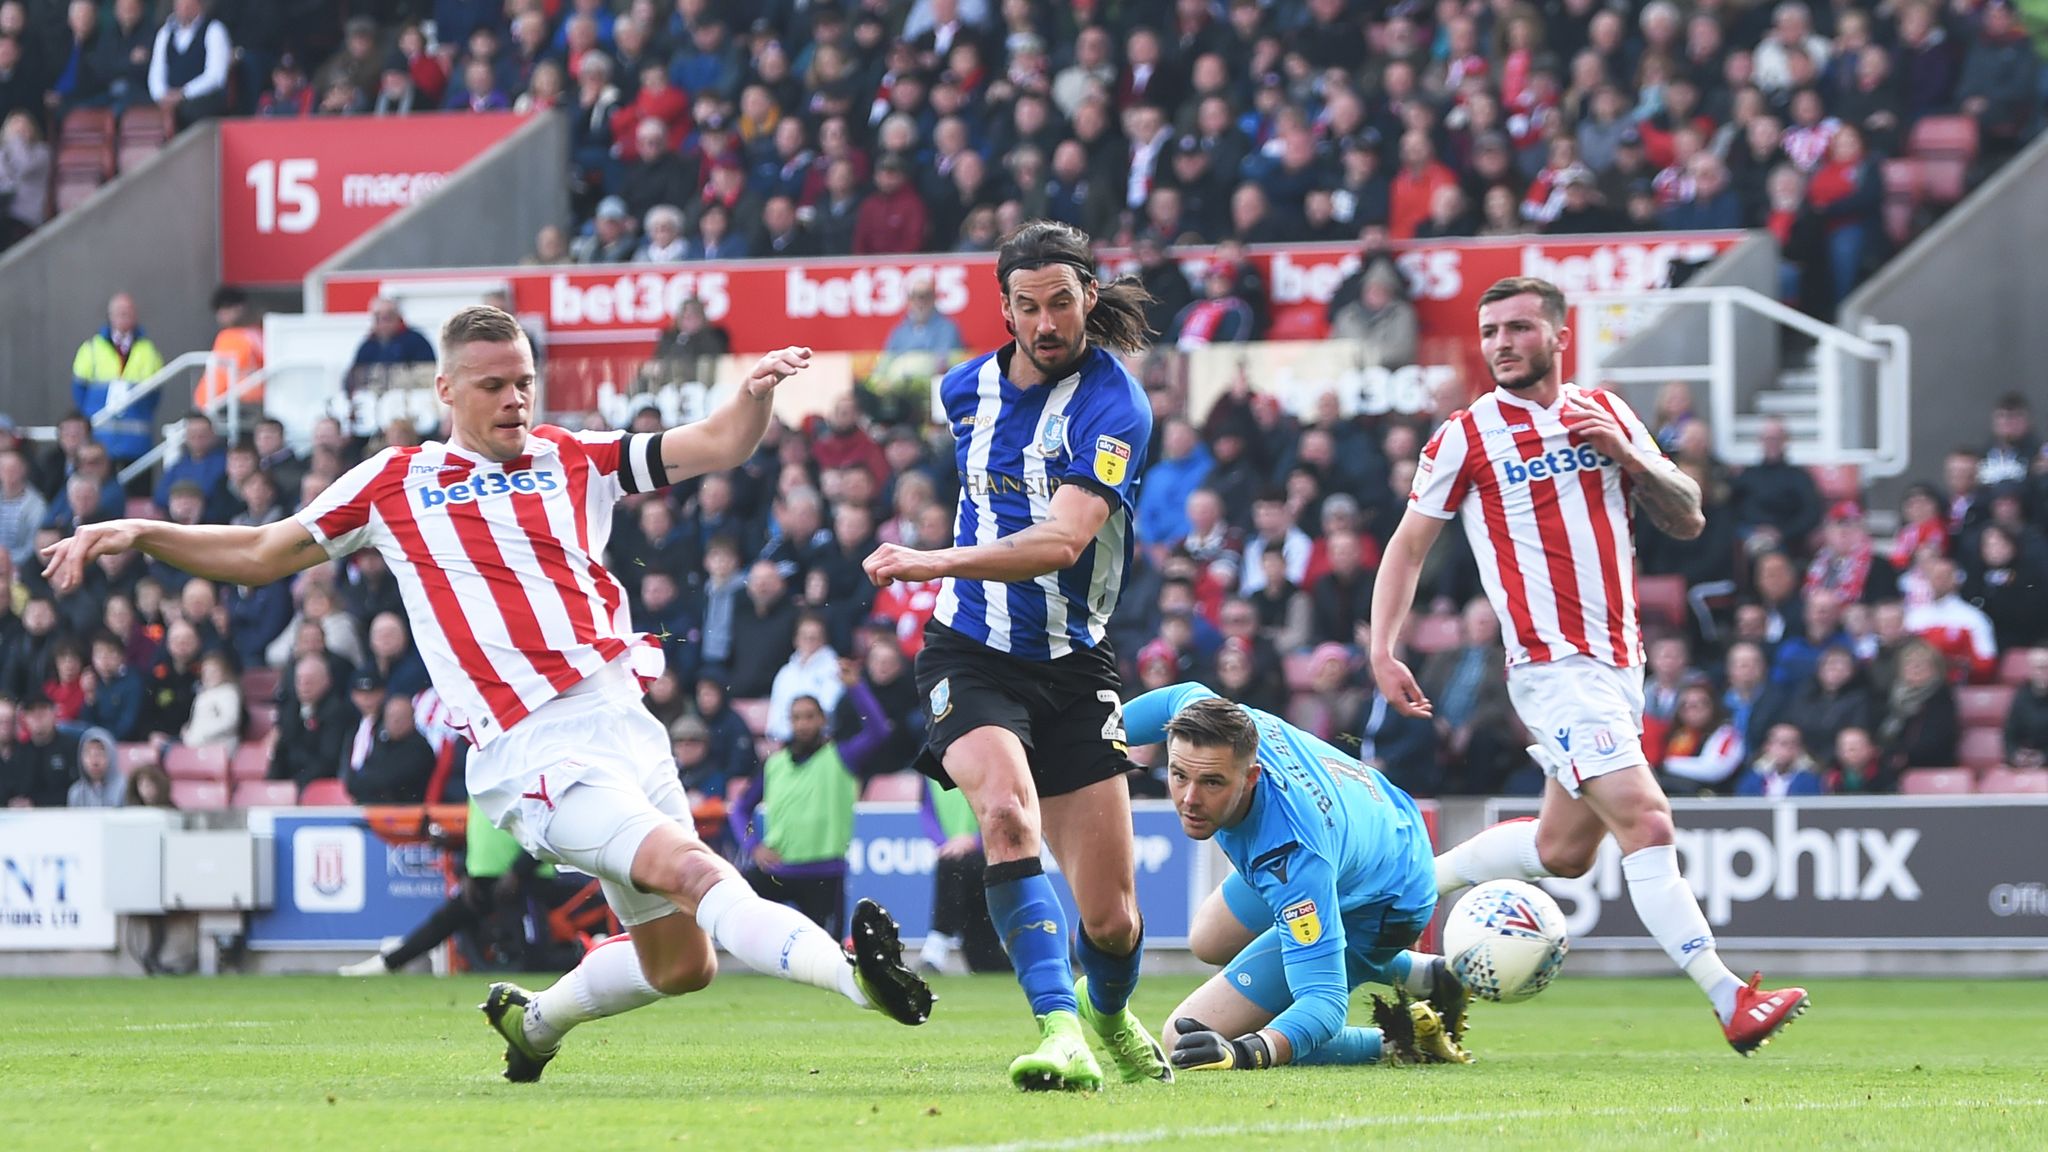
[1335, 880]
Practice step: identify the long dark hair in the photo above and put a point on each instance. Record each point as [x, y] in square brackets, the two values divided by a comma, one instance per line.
[1118, 318]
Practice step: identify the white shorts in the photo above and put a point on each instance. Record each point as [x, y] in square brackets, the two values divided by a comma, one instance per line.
[583, 781]
[1586, 717]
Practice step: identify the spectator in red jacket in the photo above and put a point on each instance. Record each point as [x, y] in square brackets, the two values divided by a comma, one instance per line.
[1415, 185]
[891, 220]
[843, 443]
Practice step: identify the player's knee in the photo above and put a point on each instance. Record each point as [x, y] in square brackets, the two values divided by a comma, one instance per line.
[688, 871]
[1009, 830]
[1651, 828]
[682, 975]
[1114, 929]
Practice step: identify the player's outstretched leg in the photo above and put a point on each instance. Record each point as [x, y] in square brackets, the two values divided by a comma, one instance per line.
[1506, 851]
[607, 982]
[780, 941]
[1028, 915]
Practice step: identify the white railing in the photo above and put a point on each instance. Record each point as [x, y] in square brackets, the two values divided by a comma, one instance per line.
[1841, 398]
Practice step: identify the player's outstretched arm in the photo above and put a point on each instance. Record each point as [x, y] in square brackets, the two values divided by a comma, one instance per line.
[1393, 592]
[223, 553]
[727, 437]
[1056, 543]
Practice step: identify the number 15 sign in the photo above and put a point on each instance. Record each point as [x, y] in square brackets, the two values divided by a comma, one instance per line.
[294, 192]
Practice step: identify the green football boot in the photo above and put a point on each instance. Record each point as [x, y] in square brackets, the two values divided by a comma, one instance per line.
[1062, 1059]
[505, 1008]
[1135, 1053]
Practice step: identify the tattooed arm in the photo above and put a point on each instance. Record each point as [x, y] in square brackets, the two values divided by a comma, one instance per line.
[1669, 496]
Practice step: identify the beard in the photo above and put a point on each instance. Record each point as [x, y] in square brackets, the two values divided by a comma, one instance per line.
[1535, 369]
[1054, 362]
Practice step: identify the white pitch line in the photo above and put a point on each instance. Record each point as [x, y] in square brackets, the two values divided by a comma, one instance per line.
[1344, 1124]
[195, 1026]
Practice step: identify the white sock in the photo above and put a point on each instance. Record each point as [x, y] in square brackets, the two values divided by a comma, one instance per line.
[775, 939]
[1672, 914]
[608, 981]
[938, 948]
[1503, 852]
[1420, 979]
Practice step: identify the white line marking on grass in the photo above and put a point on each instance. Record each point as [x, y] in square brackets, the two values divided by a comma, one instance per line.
[196, 1026]
[1349, 1123]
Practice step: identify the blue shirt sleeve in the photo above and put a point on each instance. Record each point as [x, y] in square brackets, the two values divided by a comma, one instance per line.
[1311, 950]
[1110, 439]
[1145, 717]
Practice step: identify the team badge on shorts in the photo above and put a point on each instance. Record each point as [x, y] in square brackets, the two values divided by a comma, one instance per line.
[1603, 742]
[1112, 460]
[1053, 436]
[1302, 922]
[942, 698]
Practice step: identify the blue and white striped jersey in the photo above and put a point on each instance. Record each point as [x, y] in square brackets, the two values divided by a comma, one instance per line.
[1014, 448]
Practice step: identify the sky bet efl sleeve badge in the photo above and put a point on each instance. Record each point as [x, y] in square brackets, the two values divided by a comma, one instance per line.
[1112, 460]
[1302, 921]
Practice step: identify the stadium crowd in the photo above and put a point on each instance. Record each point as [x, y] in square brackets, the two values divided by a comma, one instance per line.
[1789, 650]
[704, 130]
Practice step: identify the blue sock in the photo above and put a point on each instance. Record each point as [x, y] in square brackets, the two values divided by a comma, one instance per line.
[1111, 979]
[1414, 972]
[1348, 1046]
[1028, 916]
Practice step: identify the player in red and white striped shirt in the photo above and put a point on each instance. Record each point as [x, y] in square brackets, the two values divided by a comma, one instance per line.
[496, 539]
[1543, 473]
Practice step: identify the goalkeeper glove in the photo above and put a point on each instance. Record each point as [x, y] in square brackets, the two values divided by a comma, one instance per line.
[1199, 1048]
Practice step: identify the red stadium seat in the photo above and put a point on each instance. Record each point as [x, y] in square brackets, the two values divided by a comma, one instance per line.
[754, 713]
[1948, 137]
[259, 684]
[1837, 481]
[186, 763]
[1901, 199]
[1661, 599]
[130, 155]
[129, 757]
[143, 123]
[764, 748]
[1300, 671]
[1938, 782]
[90, 122]
[325, 793]
[262, 720]
[2012, 668]
[266, 794]
[251, 761]
[199, 795]
[1943, 180]
[1432, 634]
[2027, 781]
[73, 189]
[896, 786]
[1981, 748]
[1984, 705]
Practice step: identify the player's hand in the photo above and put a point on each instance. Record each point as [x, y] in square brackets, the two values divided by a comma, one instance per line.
[766, 857]
[895, 562]
[1595, 425]
[1197, 1048]
[776, 367]
[64, 562]
[1398, 685]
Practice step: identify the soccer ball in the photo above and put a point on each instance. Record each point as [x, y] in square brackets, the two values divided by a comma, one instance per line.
[1505, 940]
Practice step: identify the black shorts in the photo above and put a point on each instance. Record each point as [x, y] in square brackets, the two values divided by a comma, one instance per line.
[1068, 712]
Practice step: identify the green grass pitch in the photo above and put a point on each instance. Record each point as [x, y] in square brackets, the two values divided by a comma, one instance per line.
[407, 1063]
